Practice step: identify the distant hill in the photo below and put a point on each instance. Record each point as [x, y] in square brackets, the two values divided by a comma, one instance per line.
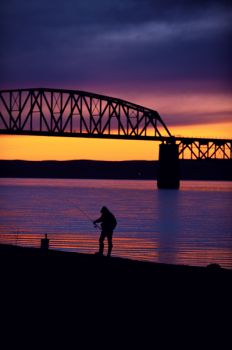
[209, 169]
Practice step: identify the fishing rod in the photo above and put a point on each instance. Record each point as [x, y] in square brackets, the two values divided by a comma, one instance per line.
[87, 215]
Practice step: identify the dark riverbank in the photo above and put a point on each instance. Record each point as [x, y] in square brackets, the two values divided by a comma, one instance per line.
[64, 298]
[208, 169]
[87, 270]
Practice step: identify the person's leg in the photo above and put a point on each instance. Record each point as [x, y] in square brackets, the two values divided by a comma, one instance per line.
[110, 243]
[101, 242]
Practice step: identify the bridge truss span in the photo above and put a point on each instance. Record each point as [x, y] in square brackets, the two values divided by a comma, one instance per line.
[74, 113]
[204, 148]
[55, 112]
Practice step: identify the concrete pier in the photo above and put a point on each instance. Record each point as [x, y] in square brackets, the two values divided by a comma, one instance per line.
[168, 171]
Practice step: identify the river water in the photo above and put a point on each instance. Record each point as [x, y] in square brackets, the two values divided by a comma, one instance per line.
[191, 226]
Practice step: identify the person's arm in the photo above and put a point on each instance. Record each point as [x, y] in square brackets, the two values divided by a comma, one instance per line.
[98, 220]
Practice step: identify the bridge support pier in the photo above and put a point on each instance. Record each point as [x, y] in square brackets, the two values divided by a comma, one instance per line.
[168, 171]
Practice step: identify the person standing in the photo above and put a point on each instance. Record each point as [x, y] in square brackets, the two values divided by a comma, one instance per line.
[108, 224]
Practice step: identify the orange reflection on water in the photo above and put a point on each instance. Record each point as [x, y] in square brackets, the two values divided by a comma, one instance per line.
[133, 248]
[203, 257]
[136, 248]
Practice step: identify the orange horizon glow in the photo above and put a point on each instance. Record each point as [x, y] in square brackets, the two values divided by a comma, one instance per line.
[61, 148]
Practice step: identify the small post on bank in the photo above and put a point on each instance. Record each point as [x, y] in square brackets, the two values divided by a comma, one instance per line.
[45, 243]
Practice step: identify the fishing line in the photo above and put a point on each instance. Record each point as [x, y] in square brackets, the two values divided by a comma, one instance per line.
[87, 215]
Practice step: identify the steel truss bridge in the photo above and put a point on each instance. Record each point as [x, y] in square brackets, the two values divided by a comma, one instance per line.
[72, 113]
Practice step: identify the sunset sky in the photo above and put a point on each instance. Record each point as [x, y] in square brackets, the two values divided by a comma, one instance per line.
[172, 56]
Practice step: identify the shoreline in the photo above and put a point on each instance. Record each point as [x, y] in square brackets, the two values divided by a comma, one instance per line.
[207, 169]
[92, 280]
[10, 253]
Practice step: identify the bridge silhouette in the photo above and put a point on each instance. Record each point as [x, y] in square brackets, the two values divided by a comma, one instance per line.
[74, 113]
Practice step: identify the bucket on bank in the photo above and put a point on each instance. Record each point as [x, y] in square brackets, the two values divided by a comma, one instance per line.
[45, 243]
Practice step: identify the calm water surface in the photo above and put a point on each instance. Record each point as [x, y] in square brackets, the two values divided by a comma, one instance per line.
[191, 226]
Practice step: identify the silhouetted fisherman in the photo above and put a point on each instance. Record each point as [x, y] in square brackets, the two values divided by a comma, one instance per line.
[108, 224]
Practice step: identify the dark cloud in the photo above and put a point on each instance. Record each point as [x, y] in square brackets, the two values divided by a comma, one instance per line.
[183, 119]
[67, 42]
